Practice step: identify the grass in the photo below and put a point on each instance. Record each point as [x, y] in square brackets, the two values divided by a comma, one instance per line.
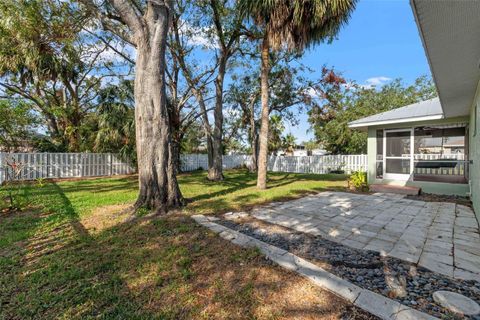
[71, 256]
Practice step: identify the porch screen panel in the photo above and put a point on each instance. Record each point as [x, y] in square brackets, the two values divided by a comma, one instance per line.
[440, 153]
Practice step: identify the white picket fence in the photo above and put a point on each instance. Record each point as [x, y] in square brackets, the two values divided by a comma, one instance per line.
[62, 165]
[318, 164]
[72, 165]
[191, 162]
[297, 164]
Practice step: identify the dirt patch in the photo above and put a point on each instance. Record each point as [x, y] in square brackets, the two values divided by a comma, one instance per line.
[106, 217]
[430, 197]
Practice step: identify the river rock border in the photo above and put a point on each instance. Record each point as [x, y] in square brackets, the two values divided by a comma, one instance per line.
[367, 300]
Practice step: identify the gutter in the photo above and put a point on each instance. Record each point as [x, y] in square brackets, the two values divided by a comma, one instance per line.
[405, 120]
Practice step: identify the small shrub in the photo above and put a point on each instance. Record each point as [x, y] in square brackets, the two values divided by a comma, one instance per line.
[14, 171]
[358, 181]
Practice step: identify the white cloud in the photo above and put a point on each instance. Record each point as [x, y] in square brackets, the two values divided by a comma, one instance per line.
[375, 81]
[198, 36]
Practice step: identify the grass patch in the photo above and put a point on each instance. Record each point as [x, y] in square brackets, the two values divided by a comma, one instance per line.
[69, 255]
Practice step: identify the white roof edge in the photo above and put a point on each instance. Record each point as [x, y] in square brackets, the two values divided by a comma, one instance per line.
[377, 123]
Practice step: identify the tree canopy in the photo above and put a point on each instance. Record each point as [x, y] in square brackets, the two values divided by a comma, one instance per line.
[337, 101]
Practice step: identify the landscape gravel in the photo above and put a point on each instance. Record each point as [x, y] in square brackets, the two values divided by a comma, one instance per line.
[402, 281]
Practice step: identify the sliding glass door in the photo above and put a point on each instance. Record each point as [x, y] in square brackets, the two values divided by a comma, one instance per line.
[397, 154]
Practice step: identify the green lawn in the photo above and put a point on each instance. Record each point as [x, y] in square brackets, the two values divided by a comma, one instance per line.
[69, 255]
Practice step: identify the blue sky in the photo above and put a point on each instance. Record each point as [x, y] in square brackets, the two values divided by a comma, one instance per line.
[380, 41]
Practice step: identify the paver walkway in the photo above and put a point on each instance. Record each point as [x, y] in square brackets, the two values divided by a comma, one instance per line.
[440, 236]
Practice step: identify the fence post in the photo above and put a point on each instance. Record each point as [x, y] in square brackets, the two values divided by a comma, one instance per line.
[111, 163]
[2, 167]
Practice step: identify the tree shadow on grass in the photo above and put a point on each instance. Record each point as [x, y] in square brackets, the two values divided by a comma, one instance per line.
[60, 270]
[167, 268]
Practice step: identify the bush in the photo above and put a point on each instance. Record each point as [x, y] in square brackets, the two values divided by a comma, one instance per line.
[358, 181]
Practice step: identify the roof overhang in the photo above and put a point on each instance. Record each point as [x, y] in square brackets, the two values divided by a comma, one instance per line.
[396, 121]
[450, 33]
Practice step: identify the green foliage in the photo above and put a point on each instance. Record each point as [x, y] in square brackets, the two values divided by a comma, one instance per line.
[193, 139]
[289, 142]
[335, 104]
[299, 23]
[49, 60]
[17, 124]
[358, 181]
[275, 133]
[311, 145]
[116, 121]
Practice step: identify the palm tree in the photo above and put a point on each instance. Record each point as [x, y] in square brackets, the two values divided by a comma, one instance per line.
[295, 25]
[116, 121]
[289, 142]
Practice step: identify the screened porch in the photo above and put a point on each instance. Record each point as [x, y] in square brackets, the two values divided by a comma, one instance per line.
[434, 153]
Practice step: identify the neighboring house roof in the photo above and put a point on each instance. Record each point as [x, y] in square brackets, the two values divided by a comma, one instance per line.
[421, 111]
[450, 35]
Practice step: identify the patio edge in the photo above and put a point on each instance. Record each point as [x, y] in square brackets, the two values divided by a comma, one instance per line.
[367, 300]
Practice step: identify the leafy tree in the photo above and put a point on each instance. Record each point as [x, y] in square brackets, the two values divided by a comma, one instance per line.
[219, 24]
[145, 26]
[193, 139]
[47, 60]
[17, 125]
[275, 135]
[335, 104]
[288, 90]
[311, 145]
[116, 121]
[295, 24]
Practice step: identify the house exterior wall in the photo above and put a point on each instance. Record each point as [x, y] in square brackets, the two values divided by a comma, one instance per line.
[474, 151]
[429, 187]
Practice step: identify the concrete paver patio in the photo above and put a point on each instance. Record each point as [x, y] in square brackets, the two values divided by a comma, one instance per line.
[440, 236]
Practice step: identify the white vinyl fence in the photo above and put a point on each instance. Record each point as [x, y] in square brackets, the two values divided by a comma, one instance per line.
[191, 162]
[61, 165]
[318, 164]
[298, 164]
[69, 165]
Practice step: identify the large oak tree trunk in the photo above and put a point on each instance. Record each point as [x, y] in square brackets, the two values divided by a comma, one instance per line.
[158, 188]
[215, 172]
[263, 152]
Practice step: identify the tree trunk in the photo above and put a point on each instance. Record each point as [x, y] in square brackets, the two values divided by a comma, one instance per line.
[215, 172]
[158, 188]
[263, 153]
[206, 125]
[254, 139]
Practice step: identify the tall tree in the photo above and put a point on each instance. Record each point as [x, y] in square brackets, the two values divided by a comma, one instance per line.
[288, 88]
[295, 24]
[47, 60]
[145, 27]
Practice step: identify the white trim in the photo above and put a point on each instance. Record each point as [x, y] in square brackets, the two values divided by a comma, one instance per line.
[404, 120]
[424, 45]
